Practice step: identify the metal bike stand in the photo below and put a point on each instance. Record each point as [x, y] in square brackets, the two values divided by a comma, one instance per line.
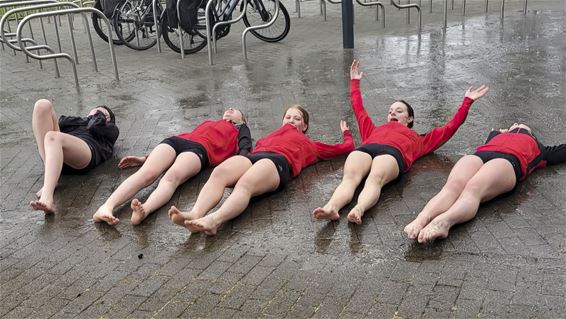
[408, 7]
[298, 8]
[262, 26]
[157, 25]
[502, 9]
[525, 7]
[323, 6]
[61, 54]
[213, 33]
[180, 30]
[9, 42]
[464, 8]
[377, 5]
[446, 14]
[19, 3]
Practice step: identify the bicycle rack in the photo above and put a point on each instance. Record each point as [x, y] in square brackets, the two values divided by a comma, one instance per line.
[208, 33]
[157, 25]
[31, 40]
[19, 3]
[256, 27]
[408, 7]
[377, 5]
[65, 55]
[323, 6]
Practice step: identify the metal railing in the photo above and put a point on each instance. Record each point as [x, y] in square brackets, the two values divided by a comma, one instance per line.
[377, 5]
[408, 7]
[256, 27]
[67, 56]
[211, 34]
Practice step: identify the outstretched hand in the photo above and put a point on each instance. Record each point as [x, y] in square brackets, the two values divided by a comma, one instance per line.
[344, 126]
[131, 161]
[355, 73]
[475, 94]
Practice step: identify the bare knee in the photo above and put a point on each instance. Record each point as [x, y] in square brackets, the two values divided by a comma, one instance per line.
[219, 174]
[148, 175]
[455, 186]
[171, 177]
[52, 137]
[43, 106]
[376, 178]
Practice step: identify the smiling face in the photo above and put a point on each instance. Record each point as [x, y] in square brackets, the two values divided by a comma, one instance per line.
[398, 112]
[103, 110]
[234, 115]
[296, 117]
[521, 126]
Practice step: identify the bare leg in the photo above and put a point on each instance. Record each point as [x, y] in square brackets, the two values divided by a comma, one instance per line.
[261, 178]
[356, 168]
[59, 148]
[494, 178]
[186, 166]
[384, 169]
[224, 175]
[44, 119]
[461, 173]
[157, 162]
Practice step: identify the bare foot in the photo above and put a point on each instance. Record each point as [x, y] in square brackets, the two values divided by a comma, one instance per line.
[138, 212]
[38, 194]
[46, 207]
[413, 228]
[435, 229]
[326, 212]
[355, 215]
[205, 224]
[178, 217]
[131, 161]
[103, 214]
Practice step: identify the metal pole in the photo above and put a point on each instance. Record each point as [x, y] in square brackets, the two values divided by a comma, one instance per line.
[157, 25]
[74, 46]
[445, 13]
[502, 9]
[464, 8]
[347, 24]
[180, 30]
[525, 8]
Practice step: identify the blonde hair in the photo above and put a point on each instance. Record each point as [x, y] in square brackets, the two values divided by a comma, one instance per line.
[301, 109]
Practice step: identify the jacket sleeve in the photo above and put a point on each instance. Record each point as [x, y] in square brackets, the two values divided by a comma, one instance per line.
[554, 154]
[100, 129]
[440, 135]
[365, 124]
[328, 151]
[67, 123]
[244, 140]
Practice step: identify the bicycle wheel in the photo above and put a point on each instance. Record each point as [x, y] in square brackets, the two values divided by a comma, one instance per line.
[100, 26]
[191, 43]
[274, 33]
[134, 28]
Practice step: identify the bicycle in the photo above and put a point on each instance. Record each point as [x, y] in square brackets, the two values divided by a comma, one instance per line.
[134, 23]
[108, 8]
[257, 12]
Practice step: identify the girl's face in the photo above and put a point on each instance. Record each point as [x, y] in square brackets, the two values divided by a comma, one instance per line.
[521, 126]
[233, 115]
[398, 113]
[100, 109]
[295, 118]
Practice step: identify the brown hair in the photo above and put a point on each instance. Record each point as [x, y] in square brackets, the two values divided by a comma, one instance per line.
[410, 111]
[304, 113]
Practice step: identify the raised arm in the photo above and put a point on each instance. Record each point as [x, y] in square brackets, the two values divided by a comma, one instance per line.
[244, 140]
[98, 126]
[440, 135]
[328, 151]
[365, 124]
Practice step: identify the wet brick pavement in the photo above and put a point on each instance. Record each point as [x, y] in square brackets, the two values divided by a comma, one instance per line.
[273, 260]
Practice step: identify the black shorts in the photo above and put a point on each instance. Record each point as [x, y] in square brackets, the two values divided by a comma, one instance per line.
[281, 163]
[486, 156]
[380, 149]
[181, 145]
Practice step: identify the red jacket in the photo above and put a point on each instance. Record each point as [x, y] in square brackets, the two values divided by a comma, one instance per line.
[299, 150]
[530, 153]
[219, 139]
[407, 141]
